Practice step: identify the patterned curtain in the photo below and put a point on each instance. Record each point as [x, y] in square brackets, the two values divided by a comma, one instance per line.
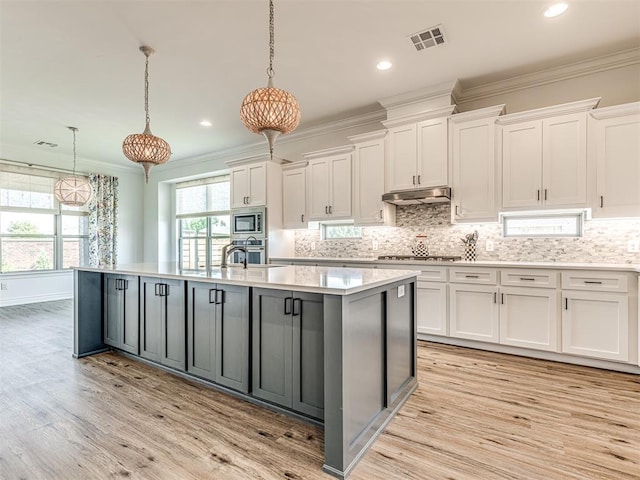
[103, 220]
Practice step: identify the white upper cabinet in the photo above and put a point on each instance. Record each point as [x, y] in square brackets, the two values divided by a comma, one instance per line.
[369, 181]
[614, 161]
[329, 184]
[544, 156]
[416, 150]
[473, 159]
[294, 195]
[249, 185]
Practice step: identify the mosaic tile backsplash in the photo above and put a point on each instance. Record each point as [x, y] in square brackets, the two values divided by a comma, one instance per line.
[603, 241]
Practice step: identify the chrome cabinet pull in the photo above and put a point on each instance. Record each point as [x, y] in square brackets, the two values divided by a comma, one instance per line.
[528, 279]
[418, 179]
[601, 201]
[326, 210]
[545, 194]
[471, 276]
[566, 303]
[330, 207]
[212, 298]
[495, 297]
[538, 194]
[381, 216]
[302, 217]
[502, 298]
[414, 179]
[593, 282]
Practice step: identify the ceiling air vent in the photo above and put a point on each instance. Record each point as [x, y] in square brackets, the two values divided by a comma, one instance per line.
[430, 37]
[42, 143]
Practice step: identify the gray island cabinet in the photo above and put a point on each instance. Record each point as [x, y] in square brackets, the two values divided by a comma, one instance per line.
[334, 345]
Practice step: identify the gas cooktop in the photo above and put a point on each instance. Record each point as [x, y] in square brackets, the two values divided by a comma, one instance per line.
[430, 258]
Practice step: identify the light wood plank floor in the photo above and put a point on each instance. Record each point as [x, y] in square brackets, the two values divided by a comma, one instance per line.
[476, 415]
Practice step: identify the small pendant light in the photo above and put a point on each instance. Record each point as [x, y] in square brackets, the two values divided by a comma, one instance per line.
[75, 190]
[145, 148]
[270, 111]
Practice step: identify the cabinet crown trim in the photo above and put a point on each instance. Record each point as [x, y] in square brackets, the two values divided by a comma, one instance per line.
[295, 165]
[365, 137]
[478, 114]
[616, 111]
[548, 112]
[263, 157]
[419, 117]
[328, 152]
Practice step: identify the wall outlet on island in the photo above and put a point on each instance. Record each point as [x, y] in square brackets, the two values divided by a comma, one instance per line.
[4, 286]
[633, 246]
[374, 245]
[313, 245]
[489, 246]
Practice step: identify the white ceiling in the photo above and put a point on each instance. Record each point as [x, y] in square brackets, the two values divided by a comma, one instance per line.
[77, 62]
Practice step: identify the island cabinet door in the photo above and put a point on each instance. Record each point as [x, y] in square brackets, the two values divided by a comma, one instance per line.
[308, 354]
[162, 321]
[174, 351]
[202, 304]
[232, 337]
[272, 341]
[113, 311]
[151, 313]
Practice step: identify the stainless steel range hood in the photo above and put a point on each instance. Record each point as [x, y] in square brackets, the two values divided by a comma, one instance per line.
[416, 197]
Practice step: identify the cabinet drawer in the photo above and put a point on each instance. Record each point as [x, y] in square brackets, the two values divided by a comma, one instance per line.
[596, 281]
[433, 274]
[483, 276]
[529, 278]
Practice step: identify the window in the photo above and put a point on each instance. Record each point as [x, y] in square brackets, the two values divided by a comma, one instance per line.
[202, 215]
[333, 231]
[543, 224]
[36, 232]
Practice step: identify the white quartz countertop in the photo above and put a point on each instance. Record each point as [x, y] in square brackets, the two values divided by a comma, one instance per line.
[314, 279]
[622, 267]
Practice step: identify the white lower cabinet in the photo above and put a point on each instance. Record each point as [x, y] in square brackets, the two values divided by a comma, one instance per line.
[529, 318]
[474, 312]
[596, 325]
[432, 302]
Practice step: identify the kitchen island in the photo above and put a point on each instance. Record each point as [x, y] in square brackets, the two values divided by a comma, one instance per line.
[334, 345]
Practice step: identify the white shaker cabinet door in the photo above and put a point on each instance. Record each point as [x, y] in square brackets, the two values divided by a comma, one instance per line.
[474, 312]
[529, 318]
[522, 165]
[596, 325]
[340, 181]
[401, 154]
[294, 190]
[432, 308]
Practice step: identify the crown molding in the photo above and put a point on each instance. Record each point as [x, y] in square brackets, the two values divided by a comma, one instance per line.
[294, 165]
[546, 112]
[552, 75]
[422, 116]
[479, 114]
[616, 111]
[424, 99]
[366, 137]
[328, 152]
[263, 157]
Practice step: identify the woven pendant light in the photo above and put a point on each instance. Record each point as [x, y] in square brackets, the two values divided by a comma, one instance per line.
[270, 111]
[145, 148]
[75, 190]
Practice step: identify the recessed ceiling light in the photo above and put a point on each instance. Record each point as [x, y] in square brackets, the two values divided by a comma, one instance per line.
[206, 123]
[556, 9]
[384, 65]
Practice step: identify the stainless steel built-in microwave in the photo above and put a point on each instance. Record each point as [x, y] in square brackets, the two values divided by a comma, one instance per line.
[246, 222]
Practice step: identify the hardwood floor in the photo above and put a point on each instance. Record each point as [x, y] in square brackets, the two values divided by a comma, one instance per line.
[476, 415]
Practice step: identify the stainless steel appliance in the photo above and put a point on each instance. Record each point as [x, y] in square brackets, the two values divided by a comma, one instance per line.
[418, 196]
[256, 250]
[429, 258]
[248, 222]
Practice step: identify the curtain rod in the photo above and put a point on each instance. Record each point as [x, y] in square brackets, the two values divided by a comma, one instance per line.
[35, 165]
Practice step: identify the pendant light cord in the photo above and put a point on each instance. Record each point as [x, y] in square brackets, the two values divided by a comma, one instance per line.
[146, 89]
[271, 40]
[73, 130]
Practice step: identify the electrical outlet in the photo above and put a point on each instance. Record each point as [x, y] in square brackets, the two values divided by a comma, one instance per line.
[4, 286]
[374, 245]
[489, 246]
[313, 245]
[633, 246]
